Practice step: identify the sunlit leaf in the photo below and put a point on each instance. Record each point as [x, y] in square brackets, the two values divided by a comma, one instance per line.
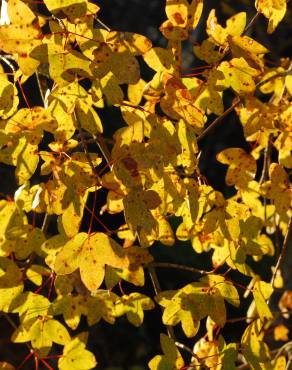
[71, 8]
[261, 292]
[133, 306]
[171, 359]
[8, 98]
[274, 10]
[239, 75]
[254, 349]
[11, 284]
[242, 166]
[278, 189]
[90, 254]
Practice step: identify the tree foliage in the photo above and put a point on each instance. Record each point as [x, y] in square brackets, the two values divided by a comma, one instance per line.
[149, 170]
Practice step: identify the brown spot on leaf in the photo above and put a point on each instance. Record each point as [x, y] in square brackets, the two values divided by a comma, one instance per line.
[178, 18]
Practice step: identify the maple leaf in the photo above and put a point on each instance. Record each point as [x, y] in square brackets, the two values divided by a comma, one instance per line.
[234, 27]
[182, 18]
[254, 349]
[76, 357]
[90, 254]
[8, 97]
[242, 166]
[261, 292]
[133, 306]
[191, 304]
[238, 75]
[274, 10]
[171, 359]
[11, 284]
[21, 36]
[278, 189]
[71, 8]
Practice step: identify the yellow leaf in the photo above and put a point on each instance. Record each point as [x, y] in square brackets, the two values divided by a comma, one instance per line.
[171, 359]
[284, 144]
[280, 363]
[261, 292]
[71, 8]
[208, 52]
[234, 27]
[135, 91]
[242, 166]
[133, 42]
[8, 98]
[160, 59]
[133, 306]
[278, 188]
[254, 349]
[248, 49]
[20, 37]
[273, 10]
[239, 75]
[76, 357]
[110, 87]
[88, 118]
[90, 254]
[182, 18]
[6, 366]
[177, 12]
[19, 12]
[11, 284]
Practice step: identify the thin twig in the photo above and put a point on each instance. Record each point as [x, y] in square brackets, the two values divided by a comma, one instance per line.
[100, 142]
[283, 251]
[284, 85]
[276, 75]
[267, 153]
[179, 267]
[7, 62]
[218, 120]
[237, 101]
[284, 348]
[40, 87]
[157, 289]
[254, 18]
[102, 24]
[84, 145]
[187, 349]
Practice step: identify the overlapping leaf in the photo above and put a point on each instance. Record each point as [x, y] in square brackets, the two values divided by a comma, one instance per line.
[90, 254]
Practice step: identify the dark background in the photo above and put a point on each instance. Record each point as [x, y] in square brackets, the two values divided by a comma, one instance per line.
[122, 346]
